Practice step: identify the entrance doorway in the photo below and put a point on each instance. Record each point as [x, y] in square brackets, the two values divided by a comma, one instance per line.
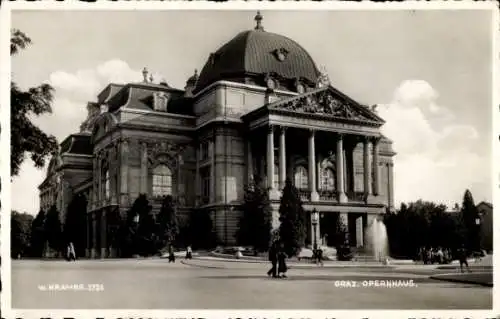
[328, 228]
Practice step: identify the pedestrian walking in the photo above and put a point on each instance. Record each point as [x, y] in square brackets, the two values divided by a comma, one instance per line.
[171, 255]
[462, 258]
[319, 256]
[282, 267]
[70, 254]
[189, 253]
[273, 258]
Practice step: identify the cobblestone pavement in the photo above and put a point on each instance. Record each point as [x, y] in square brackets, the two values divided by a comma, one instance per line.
[155, 284]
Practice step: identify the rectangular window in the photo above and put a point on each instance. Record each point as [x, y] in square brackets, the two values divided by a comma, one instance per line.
[205, 186]
[205, 152]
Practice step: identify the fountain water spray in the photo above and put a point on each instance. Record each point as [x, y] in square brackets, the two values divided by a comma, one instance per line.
[376, 235]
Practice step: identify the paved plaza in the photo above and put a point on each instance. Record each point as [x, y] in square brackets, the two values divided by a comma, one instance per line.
[156, 284]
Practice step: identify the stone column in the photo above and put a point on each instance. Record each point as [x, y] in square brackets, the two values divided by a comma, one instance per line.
[339, 157]
[270, 163]
[312, 167]
[198, 177]
[359, 232]
[391, 185]
[250, 172]
[124, 146]
[180, 183]
[104, 233]
[376, 170]
[93, 250]
[366, 169]
[144, 169]
[89, 234]
[344, 220]
[99, 196]
[282, 159]
[212, 171]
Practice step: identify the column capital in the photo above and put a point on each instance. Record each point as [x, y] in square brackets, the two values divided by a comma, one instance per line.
[340, 136]
[375, 140]
[124, 140]
[270, 128]
[283, 129]
[312, 131]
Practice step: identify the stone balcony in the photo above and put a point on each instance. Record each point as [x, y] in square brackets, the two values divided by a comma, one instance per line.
[332, 196]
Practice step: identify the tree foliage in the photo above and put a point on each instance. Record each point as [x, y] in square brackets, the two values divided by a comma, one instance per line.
[468, 215]
[38, 238]
[137, 233]
[256, 222]
[292, 229]
[168, 226]
[20, 233]
[26, 137]
[75, 225]
[201, 234]
[421, 224]
[52, 229]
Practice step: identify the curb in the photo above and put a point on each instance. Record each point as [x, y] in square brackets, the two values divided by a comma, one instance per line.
[290, 265]
[470, 267]
[341, 267]
[200, 266]
[462, 281]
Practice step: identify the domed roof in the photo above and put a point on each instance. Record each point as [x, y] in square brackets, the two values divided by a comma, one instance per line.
[253, 54]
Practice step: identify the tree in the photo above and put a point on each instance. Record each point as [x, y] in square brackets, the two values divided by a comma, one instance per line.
[468, 215]
[26, 137]
[293, 220]
[20, 233]
[37, 240]
[52, 229]
[421, 224]
[168, 226]
[138, 229]
[343, 246]
[75, 225]
[201, 234]
[256, 222]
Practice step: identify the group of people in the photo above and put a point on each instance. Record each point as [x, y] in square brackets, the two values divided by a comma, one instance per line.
[444, 256]
[277, 257]
[435, 255]
[171, 253]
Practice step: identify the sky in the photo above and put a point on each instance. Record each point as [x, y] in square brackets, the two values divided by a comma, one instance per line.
[430, 72]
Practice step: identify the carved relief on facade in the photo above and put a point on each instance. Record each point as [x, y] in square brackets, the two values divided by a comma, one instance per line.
[324, 102]
[165, 152]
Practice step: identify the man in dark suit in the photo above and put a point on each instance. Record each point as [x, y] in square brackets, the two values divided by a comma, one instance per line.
[273, 258]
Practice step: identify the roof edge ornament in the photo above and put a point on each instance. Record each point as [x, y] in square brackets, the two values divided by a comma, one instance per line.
[323, 79]
[258, 20]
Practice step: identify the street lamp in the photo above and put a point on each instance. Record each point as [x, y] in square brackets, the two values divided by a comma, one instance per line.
[314, 221]
[478, 233]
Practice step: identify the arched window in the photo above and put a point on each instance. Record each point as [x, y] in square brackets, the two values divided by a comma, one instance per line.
[301, 178]
[105, 183]
[327, 179]
[162, 180]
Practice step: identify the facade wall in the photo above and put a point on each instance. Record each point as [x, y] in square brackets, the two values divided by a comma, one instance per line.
[217, 152]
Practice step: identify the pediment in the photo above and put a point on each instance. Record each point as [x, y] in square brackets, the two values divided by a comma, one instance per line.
[330, 103]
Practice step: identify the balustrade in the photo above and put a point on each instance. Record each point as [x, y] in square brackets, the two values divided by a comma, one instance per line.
[305, 195]
[325, 195]
[356, 196]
